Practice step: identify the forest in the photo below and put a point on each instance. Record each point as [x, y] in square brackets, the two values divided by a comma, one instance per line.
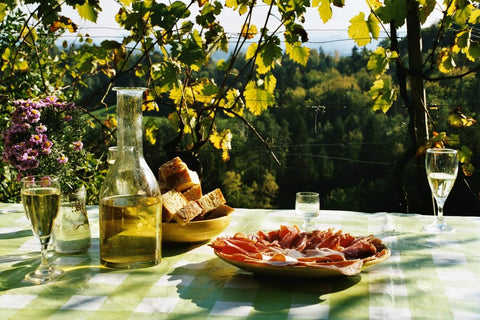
[327, 139]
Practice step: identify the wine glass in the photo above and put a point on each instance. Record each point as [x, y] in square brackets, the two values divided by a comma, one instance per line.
[307, 205]
[41, 201]
[441, 166]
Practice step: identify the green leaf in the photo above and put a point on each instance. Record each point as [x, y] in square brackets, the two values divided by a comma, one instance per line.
[268, 54]
[373, 26]
[165, 75]
[231, 4]
[474, 16]
[465, 154]
[298, 53]
[382, 94]
[270, 83]
[257, 99]
[379, 60]
[395, 10]
[251, 51]
[426, 8]
[358, 30]
[126, 2]
[324, 9]
[473, 51]
[445, 61]
[462, 14]
[89, 10]
[463, 39]
[110, 44]
[233, 102]
[3, 11]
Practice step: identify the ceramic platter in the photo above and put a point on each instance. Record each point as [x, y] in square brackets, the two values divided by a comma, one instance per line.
[297, 271]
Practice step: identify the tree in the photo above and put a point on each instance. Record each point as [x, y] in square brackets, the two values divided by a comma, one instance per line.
[418, 66]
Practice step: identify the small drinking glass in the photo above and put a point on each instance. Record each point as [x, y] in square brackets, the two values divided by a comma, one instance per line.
[41, 201]
[112, 155]
[441, 166]
[307, 205]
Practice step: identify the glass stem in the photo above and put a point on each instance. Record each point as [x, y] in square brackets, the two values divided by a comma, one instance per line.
[440, 213]
[44, 251]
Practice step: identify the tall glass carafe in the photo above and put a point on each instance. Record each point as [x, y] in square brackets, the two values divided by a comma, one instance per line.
[130, 212]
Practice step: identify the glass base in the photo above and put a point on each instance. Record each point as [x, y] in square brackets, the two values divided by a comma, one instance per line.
[438, 227]
[44, 275]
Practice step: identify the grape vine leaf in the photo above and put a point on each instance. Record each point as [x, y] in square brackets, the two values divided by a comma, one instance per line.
[89, 10]
[3, 11]
[395, 11]
[379, 60]
[445, 61]
[324, 9]
[360, 29]
[297, 53]
[382, 94]
[222, 141]
[257, 98]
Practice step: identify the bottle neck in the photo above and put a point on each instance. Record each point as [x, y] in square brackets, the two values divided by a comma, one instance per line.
[130, 125]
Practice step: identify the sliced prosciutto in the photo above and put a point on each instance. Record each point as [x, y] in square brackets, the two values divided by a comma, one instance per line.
[288, 246]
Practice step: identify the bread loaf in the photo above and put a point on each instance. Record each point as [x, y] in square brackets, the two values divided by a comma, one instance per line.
[193, 193]
[173, 166]
[183, 180]
[211, 201]
[188, 212]
[172, 201]
[220, 211]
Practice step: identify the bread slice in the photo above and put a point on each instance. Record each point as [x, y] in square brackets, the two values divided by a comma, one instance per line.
[187, 213]
[172, 201]
[220, 211]
[183, 180]
[170, 167]
[193, 193]
[211, 201]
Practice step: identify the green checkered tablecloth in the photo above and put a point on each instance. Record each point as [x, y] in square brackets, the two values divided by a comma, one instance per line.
[428, 276]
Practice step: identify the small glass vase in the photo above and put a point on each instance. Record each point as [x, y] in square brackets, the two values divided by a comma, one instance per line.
[71, 234]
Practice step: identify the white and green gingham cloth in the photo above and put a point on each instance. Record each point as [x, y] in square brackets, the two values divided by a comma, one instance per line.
[428, 276]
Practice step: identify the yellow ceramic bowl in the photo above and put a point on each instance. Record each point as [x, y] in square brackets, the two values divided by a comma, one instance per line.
[194, 231]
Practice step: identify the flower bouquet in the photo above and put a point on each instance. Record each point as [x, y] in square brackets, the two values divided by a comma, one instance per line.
[44, 137]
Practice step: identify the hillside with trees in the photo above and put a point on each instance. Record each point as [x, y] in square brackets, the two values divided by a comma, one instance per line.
[276, 116]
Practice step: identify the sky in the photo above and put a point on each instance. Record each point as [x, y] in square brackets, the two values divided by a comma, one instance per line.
[331, 37]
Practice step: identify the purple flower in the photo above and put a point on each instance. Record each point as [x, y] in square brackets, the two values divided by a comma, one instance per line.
[36, 138]
[46, 181]
[40, 128]
[28, 163]
[67, 118]
[77, 145]
[63, 159]
[46, 145]
[50, 99]
[33, 115]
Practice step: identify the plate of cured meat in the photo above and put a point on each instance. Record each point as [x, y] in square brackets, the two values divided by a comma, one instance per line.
[290, 252]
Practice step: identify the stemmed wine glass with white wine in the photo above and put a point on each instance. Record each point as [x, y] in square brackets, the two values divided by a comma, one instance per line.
[41, 201]
[441, 166]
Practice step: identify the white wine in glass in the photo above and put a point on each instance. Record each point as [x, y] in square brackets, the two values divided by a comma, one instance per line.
[41, 201]
[441, 166]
